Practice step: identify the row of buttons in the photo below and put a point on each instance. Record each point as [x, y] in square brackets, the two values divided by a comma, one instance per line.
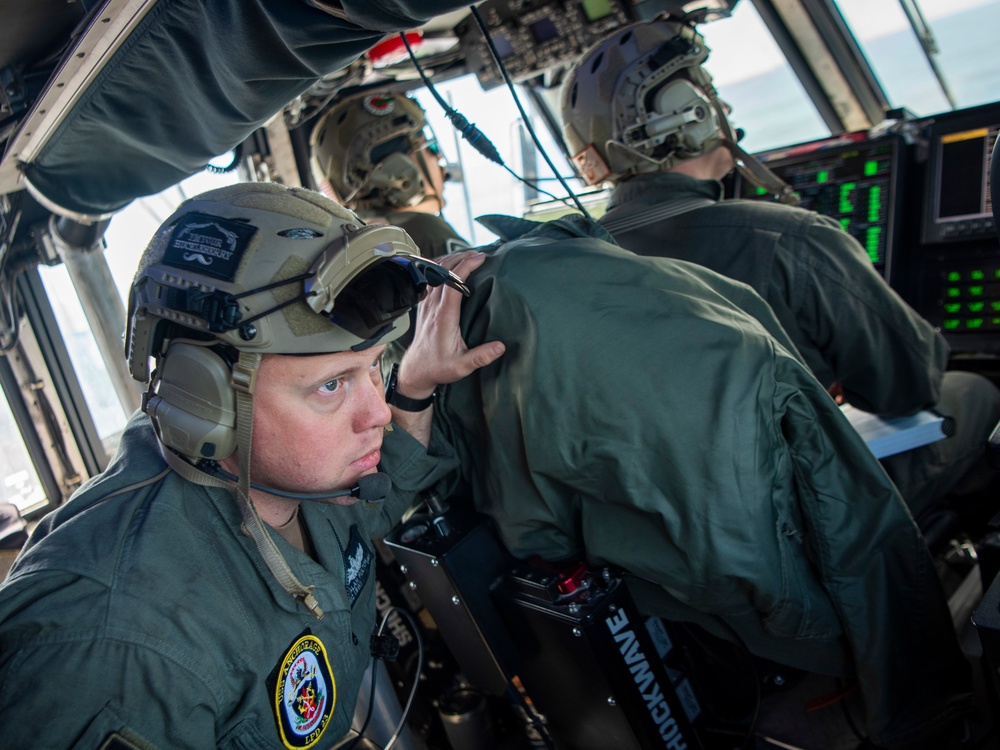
[971, 324]
[974, 274]
[979, 307]
[973, 291]
[967, 228]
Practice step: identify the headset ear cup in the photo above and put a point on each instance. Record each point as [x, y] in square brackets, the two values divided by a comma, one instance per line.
[694, 123]
[194, 407]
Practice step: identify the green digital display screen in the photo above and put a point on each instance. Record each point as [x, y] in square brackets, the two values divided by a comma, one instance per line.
[852, 183]
[595, 10]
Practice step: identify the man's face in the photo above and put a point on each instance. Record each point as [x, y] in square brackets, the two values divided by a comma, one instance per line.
[318, 420]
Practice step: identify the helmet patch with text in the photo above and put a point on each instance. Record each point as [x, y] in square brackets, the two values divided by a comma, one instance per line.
[208, 245]
[305, 693]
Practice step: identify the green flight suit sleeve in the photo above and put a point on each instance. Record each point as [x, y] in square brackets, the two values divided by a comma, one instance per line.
[412, 469]
[888, 359]
[72, 687]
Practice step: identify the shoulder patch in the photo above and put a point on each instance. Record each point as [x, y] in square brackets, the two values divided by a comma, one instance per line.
[208, 245]
[305, 693]
[357, 564]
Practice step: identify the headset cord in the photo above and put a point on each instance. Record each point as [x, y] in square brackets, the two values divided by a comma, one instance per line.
[478, 140]
[524, 115]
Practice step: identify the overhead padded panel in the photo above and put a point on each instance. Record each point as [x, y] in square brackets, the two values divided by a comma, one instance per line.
[192, 81]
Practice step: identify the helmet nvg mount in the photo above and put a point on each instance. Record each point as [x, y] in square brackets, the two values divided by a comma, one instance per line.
[367, 147]
[639, 101]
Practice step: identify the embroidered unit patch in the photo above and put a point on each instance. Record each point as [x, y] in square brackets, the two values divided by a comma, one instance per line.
[379, 105]
[208, 244]
[357, 564]
[305, 693]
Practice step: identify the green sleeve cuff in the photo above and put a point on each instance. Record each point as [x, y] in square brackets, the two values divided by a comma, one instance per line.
[413, 468]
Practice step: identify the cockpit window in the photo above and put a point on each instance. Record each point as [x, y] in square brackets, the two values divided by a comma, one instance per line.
[960, 36]
[485, 187]
[753, 76]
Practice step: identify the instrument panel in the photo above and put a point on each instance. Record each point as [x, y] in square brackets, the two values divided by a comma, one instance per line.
[919, 202]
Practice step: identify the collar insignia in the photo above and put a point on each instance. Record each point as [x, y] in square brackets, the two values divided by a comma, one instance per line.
[357, 565]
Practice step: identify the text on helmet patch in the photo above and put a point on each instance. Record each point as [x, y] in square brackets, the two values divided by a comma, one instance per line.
[208, 245]
[305, 693]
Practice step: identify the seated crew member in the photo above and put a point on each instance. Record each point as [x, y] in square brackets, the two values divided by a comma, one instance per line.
[209, 590]
[673, 431]
[372, 151]
[640, 111]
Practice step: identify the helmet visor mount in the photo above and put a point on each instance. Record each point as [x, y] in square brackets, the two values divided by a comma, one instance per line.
[367, 278]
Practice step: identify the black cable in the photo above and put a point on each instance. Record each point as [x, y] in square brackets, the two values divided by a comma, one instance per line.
[865, 742]
[524, 115]
[478, 140]
[469, 131]
[371, 707]
[515, 696]
[413, 690]
[416, 677]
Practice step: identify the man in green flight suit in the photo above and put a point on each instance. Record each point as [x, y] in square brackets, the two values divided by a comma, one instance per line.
[640, 112]
[652, 415]
[214, 587]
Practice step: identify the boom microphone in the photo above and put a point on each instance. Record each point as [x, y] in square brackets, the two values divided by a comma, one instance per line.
[370, 487]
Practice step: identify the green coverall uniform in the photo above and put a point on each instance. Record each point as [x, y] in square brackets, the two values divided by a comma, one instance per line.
[846, 322]
[141, 608]
[653, 415]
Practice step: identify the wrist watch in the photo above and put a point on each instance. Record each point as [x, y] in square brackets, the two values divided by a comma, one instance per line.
[397, 399]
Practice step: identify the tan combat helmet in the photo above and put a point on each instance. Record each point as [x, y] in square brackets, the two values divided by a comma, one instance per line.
[367, 147]
[639, 101]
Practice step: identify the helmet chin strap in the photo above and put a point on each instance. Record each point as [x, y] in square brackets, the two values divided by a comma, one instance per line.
[748, 166]
[759, 175]
[244, 375]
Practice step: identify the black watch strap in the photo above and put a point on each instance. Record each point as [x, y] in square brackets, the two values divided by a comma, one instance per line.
[397, 399]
